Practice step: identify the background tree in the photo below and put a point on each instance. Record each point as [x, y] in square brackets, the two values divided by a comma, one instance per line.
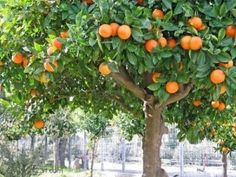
[155, 52]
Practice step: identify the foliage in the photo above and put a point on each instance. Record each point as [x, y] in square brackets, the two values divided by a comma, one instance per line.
[20, 164]
[30, 27]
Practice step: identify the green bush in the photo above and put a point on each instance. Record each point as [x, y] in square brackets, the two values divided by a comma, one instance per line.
[20, 164]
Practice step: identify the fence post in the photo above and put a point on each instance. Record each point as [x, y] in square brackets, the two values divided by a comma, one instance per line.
[123, 146]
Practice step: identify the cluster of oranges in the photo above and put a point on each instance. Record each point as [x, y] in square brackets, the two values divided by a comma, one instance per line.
[19, 59]
[219, 105]
[114, 29]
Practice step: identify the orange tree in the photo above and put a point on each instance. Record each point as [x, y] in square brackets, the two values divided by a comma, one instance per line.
[150, 54]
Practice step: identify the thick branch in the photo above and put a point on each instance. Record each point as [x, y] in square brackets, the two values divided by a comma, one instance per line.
[184, 91]
[123, 79]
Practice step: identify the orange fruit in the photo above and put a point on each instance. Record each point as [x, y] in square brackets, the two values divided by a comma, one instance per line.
[48, 67]
[64, 34]
[140, 2]
[105, 31]
[55, 63]
[221, 106]
[171, 43]
[150, 45]
[163, 42]
[34, 92]
[202, 27]
[25, 62]
[124, 32]
[185, 42]
[114, 28]
[195, 43]
[57, 44]
[155, 76]
[231, 31]
[234, 125]
[39, 124]
[220, 142]
[17, 58]
[225, 150]
[197, 103]
[51, 50]
[215, 104]
[229, 64]
[1, 63]
[222, 89]
[43, 78]
[217, 76]
[104, 69]
[195, 22]
[157, 13]
[88, 1]
[172, 87]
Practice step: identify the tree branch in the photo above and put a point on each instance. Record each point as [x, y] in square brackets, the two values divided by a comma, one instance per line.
[184, 91]
[122, 78]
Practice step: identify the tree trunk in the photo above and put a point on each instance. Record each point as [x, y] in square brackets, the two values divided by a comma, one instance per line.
[56, 154]
[93, 156]
[62, 151]
[224, 160]
[69, 151]
[154, 129]
[32, 142]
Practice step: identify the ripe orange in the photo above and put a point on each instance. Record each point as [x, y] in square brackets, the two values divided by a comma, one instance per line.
[231, 31]
[229, 64]
[222, 89]
[157, 13]
[105, 31]
[221, 106]
[48, 67]
[57, 44]
[43, 78]
[150, 45]
[155, 76]
[64, 34]
[220, 142]
[88, 1]
[217, 76]
[124, 32]
[202, 27]
[225, 150]
[114, 28]
[25, 62]
[55, 63]
[195, 43]
[51, 50]
[172, 87]
[140, 2]
[185, 42]
[195, 22]
[104, 69]
[17, 58]
[162, 41]
[197, 103]
[215, 104]
[39, 124]
[34, 92]
[1, 63]
[171, 43]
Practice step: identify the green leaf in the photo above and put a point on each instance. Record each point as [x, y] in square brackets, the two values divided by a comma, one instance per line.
[167, 3]
[132, 58]
[223, 57]
[221, 34]
[154, 87]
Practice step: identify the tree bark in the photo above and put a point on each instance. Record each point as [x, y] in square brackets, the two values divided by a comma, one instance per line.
[32, 142]
[93, 156]
[224, 160]
[154, 130]
[62, 151]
